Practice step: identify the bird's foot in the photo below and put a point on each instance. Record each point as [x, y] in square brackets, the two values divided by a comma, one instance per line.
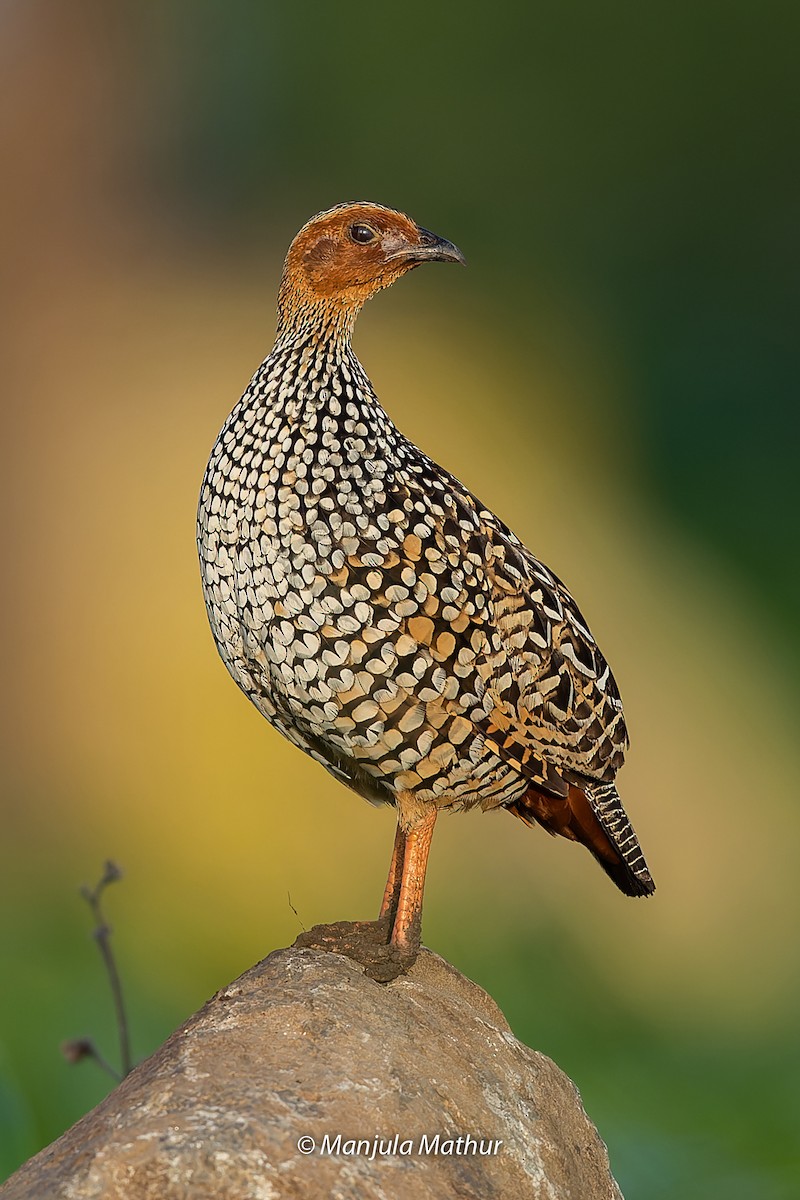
[366, 942]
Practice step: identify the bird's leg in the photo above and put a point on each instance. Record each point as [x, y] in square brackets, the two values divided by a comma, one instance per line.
[389, 946]
[392, 891]
[407, 923]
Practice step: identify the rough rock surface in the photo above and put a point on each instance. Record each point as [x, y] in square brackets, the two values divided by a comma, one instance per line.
[305, 1045]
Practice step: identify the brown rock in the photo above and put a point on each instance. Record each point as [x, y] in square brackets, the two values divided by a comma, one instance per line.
[305, 1045]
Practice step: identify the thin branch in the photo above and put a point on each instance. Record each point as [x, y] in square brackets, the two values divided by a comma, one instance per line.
[102, 935]
[294, 910]
[81, 1048]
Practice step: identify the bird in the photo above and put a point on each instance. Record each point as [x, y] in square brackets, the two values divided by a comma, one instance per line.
[379, 615]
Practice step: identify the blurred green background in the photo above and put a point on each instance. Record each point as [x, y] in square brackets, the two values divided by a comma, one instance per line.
[615, 375]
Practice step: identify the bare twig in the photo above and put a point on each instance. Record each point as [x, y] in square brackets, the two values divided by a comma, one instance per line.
[294, 910]
[102, 935]
[81, 1048]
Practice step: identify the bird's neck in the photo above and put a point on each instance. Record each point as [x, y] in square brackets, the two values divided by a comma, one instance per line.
[312, 369]
[303, 315]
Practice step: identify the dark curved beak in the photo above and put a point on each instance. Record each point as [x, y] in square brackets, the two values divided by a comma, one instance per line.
[438, 249]
[430, 248]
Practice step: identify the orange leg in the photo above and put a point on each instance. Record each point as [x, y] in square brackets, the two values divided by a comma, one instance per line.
[392, 891]
[409, 863]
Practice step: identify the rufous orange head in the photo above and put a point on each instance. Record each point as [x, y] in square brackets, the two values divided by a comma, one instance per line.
[341, 257]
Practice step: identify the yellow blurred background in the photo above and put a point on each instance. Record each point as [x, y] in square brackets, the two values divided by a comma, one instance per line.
[158, 160]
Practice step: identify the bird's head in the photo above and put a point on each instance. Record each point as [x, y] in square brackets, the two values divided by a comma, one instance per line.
[341, 257]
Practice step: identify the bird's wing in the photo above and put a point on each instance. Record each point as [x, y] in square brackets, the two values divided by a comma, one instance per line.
[485, 648]
[547, 693]
[557, 689]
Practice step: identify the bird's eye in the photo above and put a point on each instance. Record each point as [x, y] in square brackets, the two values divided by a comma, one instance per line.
[362, 234]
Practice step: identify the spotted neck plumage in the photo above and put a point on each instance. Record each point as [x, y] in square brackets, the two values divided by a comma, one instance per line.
[302, 314]
[313, 375]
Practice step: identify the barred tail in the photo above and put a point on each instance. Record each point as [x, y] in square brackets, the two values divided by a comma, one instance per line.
[630, 872]
[591, 813]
